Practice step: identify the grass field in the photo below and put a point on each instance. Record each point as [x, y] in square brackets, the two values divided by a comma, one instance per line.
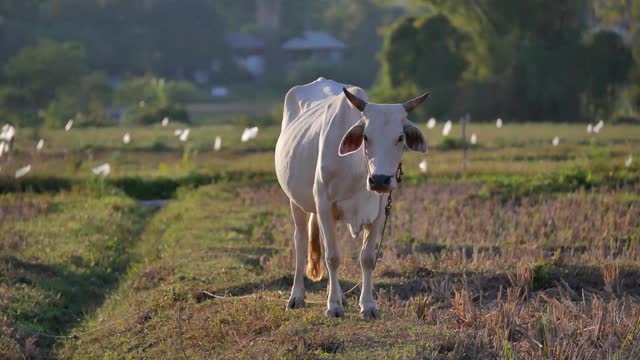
[516, 149]
[531, 252]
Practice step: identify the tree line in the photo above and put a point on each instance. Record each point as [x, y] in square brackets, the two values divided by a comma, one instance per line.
[525, 60]
[79, 58]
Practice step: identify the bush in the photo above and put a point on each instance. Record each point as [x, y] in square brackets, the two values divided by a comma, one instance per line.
[150, 99]
[180, 92]
[149, 115]
[159, 145]
[543, 275]
[154, 91]
[86, 102]
[14, 107]
[451, 143]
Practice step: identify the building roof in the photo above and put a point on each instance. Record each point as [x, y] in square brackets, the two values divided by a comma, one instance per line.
[243, 40]
[313, 40]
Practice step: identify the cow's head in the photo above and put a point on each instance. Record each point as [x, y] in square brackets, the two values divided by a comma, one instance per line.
[383, 129]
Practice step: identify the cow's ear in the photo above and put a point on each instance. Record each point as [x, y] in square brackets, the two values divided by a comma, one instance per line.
[413, 137]
[352, 140]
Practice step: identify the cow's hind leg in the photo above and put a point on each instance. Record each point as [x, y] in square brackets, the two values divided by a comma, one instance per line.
[300, 236]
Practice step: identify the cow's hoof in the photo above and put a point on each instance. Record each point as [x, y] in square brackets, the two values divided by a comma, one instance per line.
[370, 313]
[295, 302]
[334, 313]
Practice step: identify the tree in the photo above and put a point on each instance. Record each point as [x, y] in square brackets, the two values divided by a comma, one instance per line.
[622, 13]
[191, 37]
[357, 23]
[422, 54]
[17, 20]
[85, 101]
[149, 99]
[529, 55]
[43, 69]
[609, 63]
[168, 37]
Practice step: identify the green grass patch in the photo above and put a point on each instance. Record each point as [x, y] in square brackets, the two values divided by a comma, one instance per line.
[137, 187]
[58, 265]
[508, 187]
[209, 240]
[205, 240]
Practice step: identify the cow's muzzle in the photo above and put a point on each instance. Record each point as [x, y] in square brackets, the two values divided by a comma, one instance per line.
[380, 183]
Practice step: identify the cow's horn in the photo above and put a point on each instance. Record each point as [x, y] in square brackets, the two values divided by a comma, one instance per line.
[412, 104]
[354, 100]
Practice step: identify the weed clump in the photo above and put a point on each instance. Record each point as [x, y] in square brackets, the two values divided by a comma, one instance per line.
[542, 275]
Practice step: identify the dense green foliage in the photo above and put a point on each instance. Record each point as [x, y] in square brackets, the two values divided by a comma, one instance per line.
[412, 50]
[51, 83]
[607, 67]
[148, 100]
[543, 60]
[524, 60]
[52, 76]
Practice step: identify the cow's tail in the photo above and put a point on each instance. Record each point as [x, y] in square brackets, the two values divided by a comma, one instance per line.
[314, 260]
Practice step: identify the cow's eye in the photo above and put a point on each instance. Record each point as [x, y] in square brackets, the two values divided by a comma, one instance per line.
[365, 138]
[401, 138]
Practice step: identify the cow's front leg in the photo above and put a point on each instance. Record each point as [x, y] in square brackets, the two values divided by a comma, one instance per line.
[300, 235]
[372, 235]
[326, 221]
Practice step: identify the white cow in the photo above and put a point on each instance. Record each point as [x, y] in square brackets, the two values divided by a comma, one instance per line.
[322, 167]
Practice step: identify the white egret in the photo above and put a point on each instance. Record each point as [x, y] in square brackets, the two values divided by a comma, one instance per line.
[423, 166]
[249, 134]
[103, 169]
[598, 127]
[8, 132]
[23, 171]
[447, 128]
[184, 135]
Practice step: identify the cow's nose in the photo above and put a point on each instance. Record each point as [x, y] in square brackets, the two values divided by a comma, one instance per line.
[379, 182]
